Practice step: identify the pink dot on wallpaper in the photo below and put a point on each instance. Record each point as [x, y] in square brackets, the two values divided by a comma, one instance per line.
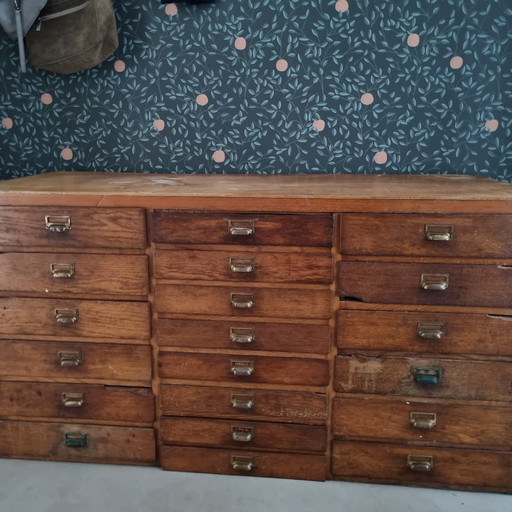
[66, 154]
[7, 123]
[119, 66]
[456, 62]
[367, 98]
[492, 125]
[413, 40]
[171, 9]
[381, 157]
[159, 124]
[46, 99]
[282, 65]
[341, 5]
[219, 156]
[240, 43]
[202, 99]
[319, 125]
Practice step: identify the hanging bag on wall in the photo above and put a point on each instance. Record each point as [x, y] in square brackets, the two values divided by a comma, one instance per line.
[72, 35]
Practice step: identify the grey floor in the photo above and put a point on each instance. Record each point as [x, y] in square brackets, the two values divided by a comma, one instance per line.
[31, 486]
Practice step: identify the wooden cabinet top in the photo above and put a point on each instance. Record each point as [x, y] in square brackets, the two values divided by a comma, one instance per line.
[278, 193]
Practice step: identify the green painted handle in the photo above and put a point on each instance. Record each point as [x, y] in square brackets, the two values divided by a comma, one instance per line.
[75, 439]
[426, 374]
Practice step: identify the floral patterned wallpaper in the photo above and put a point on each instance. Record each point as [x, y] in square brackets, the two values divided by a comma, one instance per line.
[275, 86]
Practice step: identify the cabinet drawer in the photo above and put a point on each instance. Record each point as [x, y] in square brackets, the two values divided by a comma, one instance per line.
[260, 404]
[74, 318]
[452, 468]
[243, 368]
[303, 338]
[243, 302]
[77, 443]
[79, 361]
[418, 283]
[423, 422]
[433, 333]
[243, 463]
[122, 228]
[427, 377]
[77, 401]
[243, 435]
[74, 274]
[231, 228]
[236, 265]
[477, 236]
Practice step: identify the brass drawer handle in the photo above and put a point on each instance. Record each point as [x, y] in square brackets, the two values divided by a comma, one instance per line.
[434, 282]
[239, 463]
[426, 374]
[62, 270]
[425, 420]
[430, 330]
[439, 232]
[241, 334]
[241, 227]
[69, 357]
[242, 368]
[242, 434]
[242, 300]
[242, 401]
[73, 399]
[57, 223]
[66, 316]
[242, 264]
[422, 463]
[76, 439]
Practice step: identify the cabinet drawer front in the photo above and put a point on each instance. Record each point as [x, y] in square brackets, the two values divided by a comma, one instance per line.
[287, 406]
[243, 368]
[243, 302]
[77, 443]
[477, 236]
[411, 283]
[243, 435]
[74, 318]
[441, 378]
[230, 228]
[74, 274]
[242, 463]
[303, 338]
[452, 468]
[424, 422]
[91, 361]
[236, 265]
[435, 333]
[122, 228]
[86, 402]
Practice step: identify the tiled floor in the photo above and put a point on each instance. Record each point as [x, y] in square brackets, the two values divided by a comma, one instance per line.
[29, 486]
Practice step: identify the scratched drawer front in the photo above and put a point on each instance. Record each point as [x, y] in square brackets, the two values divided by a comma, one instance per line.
[77, 401]
[426, 422]
[236, 265]
[230, 228]
[478, 236]
[411, 283]
[210, 334]
[243, 435]
[452, 468]
[74, 274]
[423, 377]
[77, 443]
[242, 368]
[74, 318]
[243, 463]
[121, 228]
[243, 302]
[244, 403]
[435, 333]
[65, 360]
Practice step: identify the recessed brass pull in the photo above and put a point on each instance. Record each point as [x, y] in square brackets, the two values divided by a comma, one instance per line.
[58, 223]
[239, 401]
[76, 439]
[239, 463]
[242, 264]
[439, 232]
[241, 334]
[241, 227]
[242, 368]
[69, 357]
[426, 374]
[430, 330]
[422, 463]
[73, 399]
[242, 434]
[62, 270]
[425, 420]
[66, 316]
[434, 282]
[242, 300]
